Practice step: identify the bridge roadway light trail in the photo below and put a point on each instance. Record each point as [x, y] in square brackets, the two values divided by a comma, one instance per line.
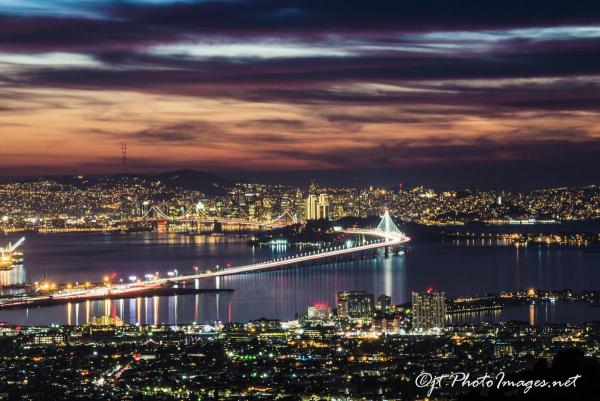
[390, 239]
[386, 231]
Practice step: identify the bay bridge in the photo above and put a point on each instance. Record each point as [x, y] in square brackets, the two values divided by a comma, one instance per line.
[197, 216]
[386, 235]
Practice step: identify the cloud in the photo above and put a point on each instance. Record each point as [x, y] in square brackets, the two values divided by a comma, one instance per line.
[278, 123]
[540, 147]
[306, 84]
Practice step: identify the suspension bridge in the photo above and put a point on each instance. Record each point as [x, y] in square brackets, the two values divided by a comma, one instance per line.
[199, 216]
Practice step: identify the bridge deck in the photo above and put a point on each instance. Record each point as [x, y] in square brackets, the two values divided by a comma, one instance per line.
[389, 239]
[385, 239]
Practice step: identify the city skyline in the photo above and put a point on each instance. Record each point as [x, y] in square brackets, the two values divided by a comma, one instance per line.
[299, 200]
[418, 92]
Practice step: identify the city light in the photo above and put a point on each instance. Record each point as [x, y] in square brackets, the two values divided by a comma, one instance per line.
[308, 200]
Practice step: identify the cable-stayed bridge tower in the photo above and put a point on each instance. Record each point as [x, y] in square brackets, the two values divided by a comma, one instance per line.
[387, 225]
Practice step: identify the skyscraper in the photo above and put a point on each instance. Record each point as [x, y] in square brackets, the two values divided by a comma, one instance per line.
[311, 207]
[323, 207]
[317, 207]
[429, 310]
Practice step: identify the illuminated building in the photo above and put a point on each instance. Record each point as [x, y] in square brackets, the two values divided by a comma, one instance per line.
[503, 349]
[323, 207]
[161, 226]
[317, 207]
[387, 324]
[106, 321]
[319, 311]
[429, 310]
[354, 305]
[311, 207]
[383, 303]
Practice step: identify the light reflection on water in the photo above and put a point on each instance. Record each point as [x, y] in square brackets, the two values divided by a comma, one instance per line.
[534, 314]
[456, 267]
[11, 277]
[144, 310]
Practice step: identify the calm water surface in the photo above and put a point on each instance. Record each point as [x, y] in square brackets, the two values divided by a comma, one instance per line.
[456, 267]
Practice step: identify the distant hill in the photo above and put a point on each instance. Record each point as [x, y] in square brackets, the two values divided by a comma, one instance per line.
[210, 184]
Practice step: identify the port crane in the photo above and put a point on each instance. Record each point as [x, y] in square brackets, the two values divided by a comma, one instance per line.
[7, 252]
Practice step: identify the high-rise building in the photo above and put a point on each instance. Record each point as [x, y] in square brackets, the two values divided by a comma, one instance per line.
[317, 207]
[429, 310]
[383, 303]
[323, 207]
[311, 207]
[354, 305]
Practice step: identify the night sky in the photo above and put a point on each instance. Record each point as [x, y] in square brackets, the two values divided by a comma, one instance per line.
[443, 93]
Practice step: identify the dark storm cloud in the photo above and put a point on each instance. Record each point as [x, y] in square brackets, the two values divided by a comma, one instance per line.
[275, 123]
[168, 134]
[122, 25]
[542, 147]
[203, 134]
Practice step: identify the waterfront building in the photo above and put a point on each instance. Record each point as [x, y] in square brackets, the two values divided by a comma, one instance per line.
[354, 305]
[320, 312]
[384, 303]
[429, 310]
[106, 321]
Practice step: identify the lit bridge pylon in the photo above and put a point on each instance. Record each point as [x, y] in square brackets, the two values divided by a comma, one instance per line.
[387, 226]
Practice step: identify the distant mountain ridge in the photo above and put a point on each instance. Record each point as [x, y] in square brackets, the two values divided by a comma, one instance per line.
[193, 180]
